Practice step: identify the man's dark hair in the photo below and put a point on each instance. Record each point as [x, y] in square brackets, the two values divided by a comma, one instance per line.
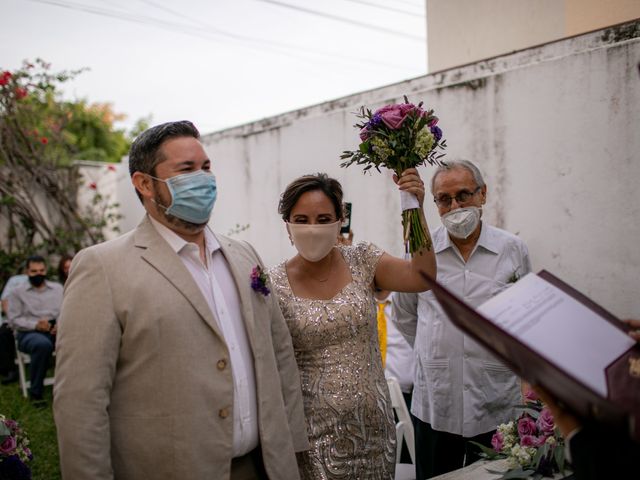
[307, 183]
[35, 259]
[145, 152]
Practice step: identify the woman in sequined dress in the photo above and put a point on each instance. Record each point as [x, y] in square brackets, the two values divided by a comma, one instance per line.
[326, 295]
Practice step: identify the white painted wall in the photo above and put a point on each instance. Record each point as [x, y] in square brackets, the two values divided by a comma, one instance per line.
[553, 128]
[465, 31]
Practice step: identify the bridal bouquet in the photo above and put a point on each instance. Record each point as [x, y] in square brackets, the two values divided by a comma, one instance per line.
[531, 443]
[399, 136]
[14, 451]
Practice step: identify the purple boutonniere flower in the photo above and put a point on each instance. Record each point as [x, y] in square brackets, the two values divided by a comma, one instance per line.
[259, 281]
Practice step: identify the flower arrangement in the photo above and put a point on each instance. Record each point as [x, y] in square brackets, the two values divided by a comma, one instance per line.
[259, 281]
[531, 444]
[14, 451]
[399, 136]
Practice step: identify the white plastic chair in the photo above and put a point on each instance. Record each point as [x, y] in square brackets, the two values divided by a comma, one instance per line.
[404, 431]
[22, 359]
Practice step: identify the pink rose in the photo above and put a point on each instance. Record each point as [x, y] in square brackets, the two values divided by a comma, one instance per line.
[497, 442]
[531, 396]
[8, 446]
[545, 422]
[394, 115]
[527, 426]
[532, 440]
[364, 134]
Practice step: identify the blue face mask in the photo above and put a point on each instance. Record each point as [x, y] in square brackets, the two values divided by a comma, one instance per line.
[192, 196]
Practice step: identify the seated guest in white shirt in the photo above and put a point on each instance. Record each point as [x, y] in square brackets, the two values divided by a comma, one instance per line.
[461, 392]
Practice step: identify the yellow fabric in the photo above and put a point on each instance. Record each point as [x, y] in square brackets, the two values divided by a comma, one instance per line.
[382, 331]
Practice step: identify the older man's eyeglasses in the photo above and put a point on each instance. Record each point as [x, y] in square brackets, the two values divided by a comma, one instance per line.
[463, 196]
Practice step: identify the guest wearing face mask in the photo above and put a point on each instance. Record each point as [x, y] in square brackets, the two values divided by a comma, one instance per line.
[461, 392]
[33, 308]
[326, 296]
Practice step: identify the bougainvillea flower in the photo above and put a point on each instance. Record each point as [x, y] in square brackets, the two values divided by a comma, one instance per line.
[21, 92]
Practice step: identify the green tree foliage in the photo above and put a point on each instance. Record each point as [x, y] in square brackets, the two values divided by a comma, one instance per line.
[41, 136]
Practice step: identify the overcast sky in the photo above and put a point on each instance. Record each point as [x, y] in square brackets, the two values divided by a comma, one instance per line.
[218, 63]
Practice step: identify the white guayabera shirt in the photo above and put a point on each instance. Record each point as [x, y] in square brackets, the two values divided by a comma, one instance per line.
[459, 387]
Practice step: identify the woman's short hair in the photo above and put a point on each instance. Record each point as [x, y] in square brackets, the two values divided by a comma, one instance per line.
[307, 183]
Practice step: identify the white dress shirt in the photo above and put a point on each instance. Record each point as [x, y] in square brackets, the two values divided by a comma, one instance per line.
[459, 386]
[219, 289]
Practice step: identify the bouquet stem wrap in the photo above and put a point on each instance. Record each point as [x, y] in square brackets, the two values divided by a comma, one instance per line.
[414, 235]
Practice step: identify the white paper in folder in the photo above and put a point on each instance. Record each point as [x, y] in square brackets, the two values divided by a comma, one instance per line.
[558, 327]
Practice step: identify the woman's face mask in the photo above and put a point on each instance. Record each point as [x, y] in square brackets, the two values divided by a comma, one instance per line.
[314, 242]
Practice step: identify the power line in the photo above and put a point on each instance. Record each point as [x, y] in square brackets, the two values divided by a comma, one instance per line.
[270, 42]
[346, 20]
[382, 7]
[247, 42]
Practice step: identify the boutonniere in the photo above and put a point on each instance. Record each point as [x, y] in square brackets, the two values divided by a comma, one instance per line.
[259, 281]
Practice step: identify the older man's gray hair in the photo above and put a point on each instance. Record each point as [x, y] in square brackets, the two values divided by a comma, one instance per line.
[453, 164]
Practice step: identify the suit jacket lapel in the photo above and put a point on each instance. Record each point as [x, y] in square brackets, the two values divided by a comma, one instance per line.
[240, 268]
[160, 256]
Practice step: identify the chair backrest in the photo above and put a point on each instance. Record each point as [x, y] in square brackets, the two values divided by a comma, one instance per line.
[404, 426]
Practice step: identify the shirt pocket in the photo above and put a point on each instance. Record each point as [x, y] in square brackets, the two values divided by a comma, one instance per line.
[437, 384]
[501, 387]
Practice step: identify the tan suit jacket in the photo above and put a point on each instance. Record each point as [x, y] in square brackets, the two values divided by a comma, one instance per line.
[144, 388]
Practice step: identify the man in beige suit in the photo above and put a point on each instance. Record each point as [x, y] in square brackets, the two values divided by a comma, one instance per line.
[169, 364]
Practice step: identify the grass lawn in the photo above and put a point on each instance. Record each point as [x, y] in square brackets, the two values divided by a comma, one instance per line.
[38, 423]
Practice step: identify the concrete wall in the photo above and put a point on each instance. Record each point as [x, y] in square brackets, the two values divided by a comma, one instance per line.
[553, 128]
[465, 31]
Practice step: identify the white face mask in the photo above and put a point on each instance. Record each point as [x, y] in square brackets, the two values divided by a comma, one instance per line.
[462, 222]
[314, 242]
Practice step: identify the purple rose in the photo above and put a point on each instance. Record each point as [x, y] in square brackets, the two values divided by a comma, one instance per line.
[11, 425]
[8, 446]
[497, 442]
[394, 115]
[531, 440]
[545, 422]
[364, 134]
[527, 426]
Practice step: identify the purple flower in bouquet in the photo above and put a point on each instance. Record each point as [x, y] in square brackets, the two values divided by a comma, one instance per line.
[497, 442]
[259, 281]
[394, 116]
[14, 453]
[532, 440]
[527, 426]
[530, 395]
[8, 446]
[437, 133]
[545, 422]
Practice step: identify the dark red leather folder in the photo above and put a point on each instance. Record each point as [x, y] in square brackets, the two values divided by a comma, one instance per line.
[621, 408]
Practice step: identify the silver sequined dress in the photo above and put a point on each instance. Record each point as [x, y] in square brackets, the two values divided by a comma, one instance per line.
[346, 400]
